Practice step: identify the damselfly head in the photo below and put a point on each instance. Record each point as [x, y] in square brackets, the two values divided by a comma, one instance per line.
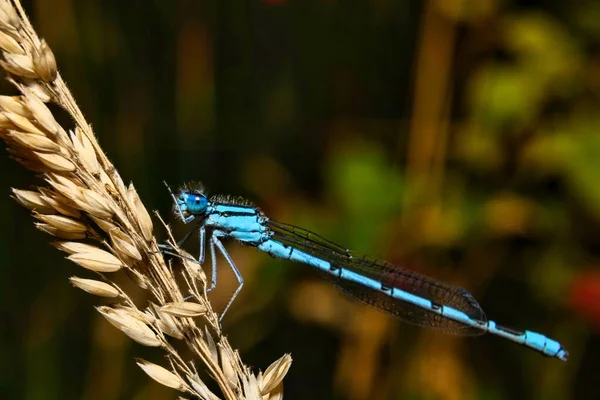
[190, 202]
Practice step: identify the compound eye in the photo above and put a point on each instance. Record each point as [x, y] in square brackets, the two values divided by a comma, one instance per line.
[196, 203]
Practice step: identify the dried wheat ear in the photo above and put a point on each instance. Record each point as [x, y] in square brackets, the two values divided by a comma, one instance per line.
[104, 227]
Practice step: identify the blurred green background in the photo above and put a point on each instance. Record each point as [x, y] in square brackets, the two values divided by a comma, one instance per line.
[460, 138]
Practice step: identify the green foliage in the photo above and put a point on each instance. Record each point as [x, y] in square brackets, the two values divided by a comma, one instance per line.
[367, 191]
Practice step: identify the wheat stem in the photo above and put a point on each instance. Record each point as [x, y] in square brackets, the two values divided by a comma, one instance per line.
[104, 227]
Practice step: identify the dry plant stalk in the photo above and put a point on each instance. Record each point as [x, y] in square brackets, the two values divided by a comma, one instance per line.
[104, 227]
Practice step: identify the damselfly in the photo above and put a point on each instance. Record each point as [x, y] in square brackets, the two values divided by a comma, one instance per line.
[413, 297]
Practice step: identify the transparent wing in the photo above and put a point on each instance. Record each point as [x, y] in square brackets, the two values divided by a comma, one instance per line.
[391, 276]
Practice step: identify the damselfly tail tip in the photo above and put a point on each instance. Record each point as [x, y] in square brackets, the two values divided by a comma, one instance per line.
[562, 354]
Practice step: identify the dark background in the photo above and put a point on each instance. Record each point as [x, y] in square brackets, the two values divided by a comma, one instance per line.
[458, 138]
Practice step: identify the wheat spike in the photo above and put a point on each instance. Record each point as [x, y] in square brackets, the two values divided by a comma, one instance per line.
[104, 227]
